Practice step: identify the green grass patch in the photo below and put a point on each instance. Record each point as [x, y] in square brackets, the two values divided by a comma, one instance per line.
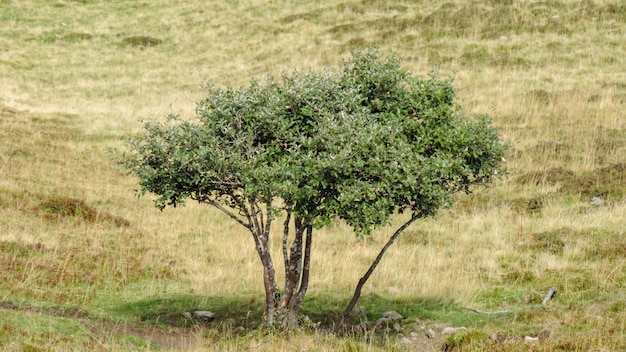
[31, 331]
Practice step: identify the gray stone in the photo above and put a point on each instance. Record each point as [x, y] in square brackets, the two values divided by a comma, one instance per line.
[406, 340]
[596, 201]
[392, 315]
[531, 339]
[204, 315]
[451, 330]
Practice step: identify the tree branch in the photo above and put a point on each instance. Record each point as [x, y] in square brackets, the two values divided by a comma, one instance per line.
[294, 271]
[506, 311]
[551, 293]
[285, 242]
[363, 280]
[226, 211]
[304, 283]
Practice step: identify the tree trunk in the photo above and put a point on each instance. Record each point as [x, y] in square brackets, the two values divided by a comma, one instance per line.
[271, 289]
[260, 224]
[297, 257]
[297, 268]
[363, 280]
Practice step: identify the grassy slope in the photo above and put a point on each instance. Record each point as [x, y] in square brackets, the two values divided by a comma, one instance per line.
[77, 246]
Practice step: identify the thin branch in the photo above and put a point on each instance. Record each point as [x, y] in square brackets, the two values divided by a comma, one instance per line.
[304, 284]
[551, 293]
[363, 280]
[267, 223]
[254, 213]
[488, 313]
[285, 242]
[294, 271]
[227, 212]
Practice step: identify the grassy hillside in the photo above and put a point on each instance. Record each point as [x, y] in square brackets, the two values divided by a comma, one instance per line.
[85, 264]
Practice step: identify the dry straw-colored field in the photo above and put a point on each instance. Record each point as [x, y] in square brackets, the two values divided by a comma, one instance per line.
[85, 264]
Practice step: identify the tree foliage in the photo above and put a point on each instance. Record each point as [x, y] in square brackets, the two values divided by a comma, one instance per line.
[359, 144]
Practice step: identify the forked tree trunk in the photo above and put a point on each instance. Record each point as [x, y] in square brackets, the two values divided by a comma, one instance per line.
[297, 259]
[259, 224]
[297, 267]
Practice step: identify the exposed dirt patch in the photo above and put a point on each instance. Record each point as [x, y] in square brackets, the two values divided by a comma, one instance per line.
[168, 338]
[416, 337]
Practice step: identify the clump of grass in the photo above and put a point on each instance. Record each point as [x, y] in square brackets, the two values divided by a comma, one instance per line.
[519, 276]
[532, 206]
[549, 241]
[551, 176]
[465, 340]
[76, 37]
[608, 181]
[613, 248]
[71, 207]
[552, 149]
[141, 41]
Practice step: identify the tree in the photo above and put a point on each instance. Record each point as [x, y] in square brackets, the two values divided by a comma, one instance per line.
[359, 144]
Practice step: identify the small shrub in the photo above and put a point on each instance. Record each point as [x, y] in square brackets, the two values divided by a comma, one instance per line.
[527, 206]
[141, 41]
[76, 37]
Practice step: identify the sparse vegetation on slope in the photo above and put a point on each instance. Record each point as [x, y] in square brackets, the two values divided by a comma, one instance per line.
[78, 76]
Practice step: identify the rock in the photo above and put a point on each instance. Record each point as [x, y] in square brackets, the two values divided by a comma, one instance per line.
[431, 334]
[596, 201]
[531, 339]
[187, 315]
[451, 330]
[204, 315]
[397, 327]
[389, 317]
[392, 315]
[406, 340]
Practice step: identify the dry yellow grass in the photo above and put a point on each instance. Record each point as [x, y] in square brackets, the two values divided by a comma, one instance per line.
[552, 73]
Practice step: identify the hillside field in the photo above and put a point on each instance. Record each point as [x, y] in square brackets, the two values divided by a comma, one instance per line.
[86, 264]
